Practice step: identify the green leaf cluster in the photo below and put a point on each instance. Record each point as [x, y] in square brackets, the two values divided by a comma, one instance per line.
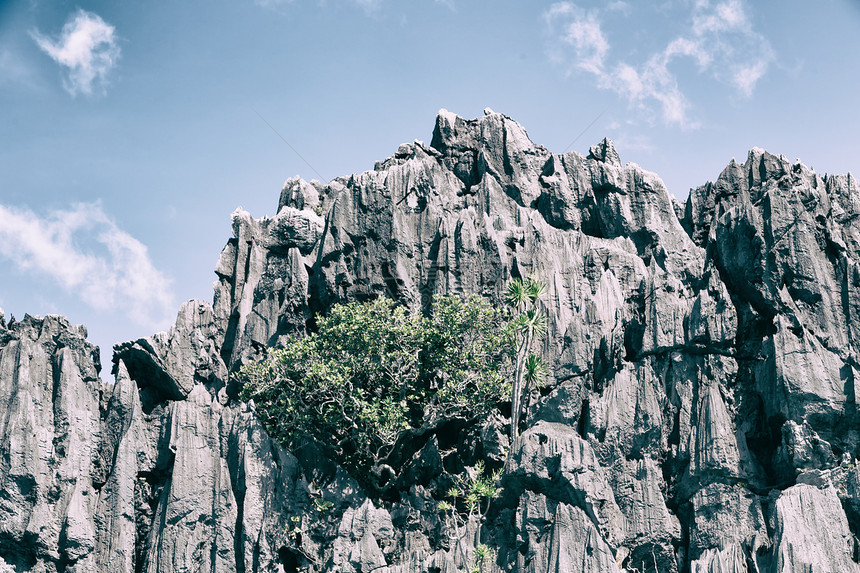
[373, 370]
[484, 555]
[473, 493]
[477, 490]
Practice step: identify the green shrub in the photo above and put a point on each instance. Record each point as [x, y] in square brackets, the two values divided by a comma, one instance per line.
[373, 370]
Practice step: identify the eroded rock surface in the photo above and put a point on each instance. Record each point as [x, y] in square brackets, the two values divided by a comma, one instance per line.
[700, 414]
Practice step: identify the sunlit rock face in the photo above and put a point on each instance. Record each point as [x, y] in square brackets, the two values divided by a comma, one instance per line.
[700, 414]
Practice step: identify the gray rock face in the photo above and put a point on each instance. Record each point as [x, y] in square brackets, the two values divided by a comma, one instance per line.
[49, 431]
[700, 415]
[174, 362]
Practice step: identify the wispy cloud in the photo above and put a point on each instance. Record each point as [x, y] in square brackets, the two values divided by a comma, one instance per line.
[741, 56]
[718, 37]
[87, 49]
[619, 6]
[579, 30]
[114, 274]
[745, 76]
[725, 16]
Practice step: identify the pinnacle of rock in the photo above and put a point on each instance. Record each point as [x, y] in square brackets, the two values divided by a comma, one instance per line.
[605, 152]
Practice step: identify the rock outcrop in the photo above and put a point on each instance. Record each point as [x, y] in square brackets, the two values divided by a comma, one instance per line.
[700, 415]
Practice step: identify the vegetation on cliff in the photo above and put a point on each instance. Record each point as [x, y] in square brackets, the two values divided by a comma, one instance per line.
[374, 370]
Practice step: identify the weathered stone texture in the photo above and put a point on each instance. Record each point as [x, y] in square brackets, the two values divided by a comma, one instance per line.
[700, 416]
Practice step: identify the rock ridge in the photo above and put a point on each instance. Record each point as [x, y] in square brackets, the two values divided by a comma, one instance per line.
[700, 414]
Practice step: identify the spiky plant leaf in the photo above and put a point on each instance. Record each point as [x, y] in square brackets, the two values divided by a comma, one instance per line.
[535, 370]
[516, 294]
[535, 288]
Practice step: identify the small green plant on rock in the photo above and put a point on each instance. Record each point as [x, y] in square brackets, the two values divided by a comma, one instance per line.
[484, 555]
[294, 530]
[322, 505]
[470, 499]
[528, 326]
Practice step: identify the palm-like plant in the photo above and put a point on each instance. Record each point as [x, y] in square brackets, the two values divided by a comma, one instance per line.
[520, 294]
[528, 325]
[515, 295]
[535, 372]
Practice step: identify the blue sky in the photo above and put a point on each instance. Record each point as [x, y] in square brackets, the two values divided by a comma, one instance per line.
[130, 129]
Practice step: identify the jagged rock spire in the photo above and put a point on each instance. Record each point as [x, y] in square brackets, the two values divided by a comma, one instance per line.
[605, 152]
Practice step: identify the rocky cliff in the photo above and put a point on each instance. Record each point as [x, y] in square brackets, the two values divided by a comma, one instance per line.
[700, 417]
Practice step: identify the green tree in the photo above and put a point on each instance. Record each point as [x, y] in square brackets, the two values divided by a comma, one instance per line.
[373, 371]
[347, 387]
[527, 326]
[465, 356]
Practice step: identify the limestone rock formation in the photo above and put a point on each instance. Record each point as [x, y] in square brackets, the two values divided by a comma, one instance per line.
[700, 414]
[49, 432]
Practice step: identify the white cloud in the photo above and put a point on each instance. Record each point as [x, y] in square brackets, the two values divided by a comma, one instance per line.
[720, 39]
[745, 77]
[581, 31]
[725, 16]
[651, 82]
[742, 55]
[690, 48]
[87, 49]
[115, 274]
[619, 6]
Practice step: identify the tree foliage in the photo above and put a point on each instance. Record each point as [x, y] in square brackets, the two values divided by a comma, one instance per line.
[373, 370]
